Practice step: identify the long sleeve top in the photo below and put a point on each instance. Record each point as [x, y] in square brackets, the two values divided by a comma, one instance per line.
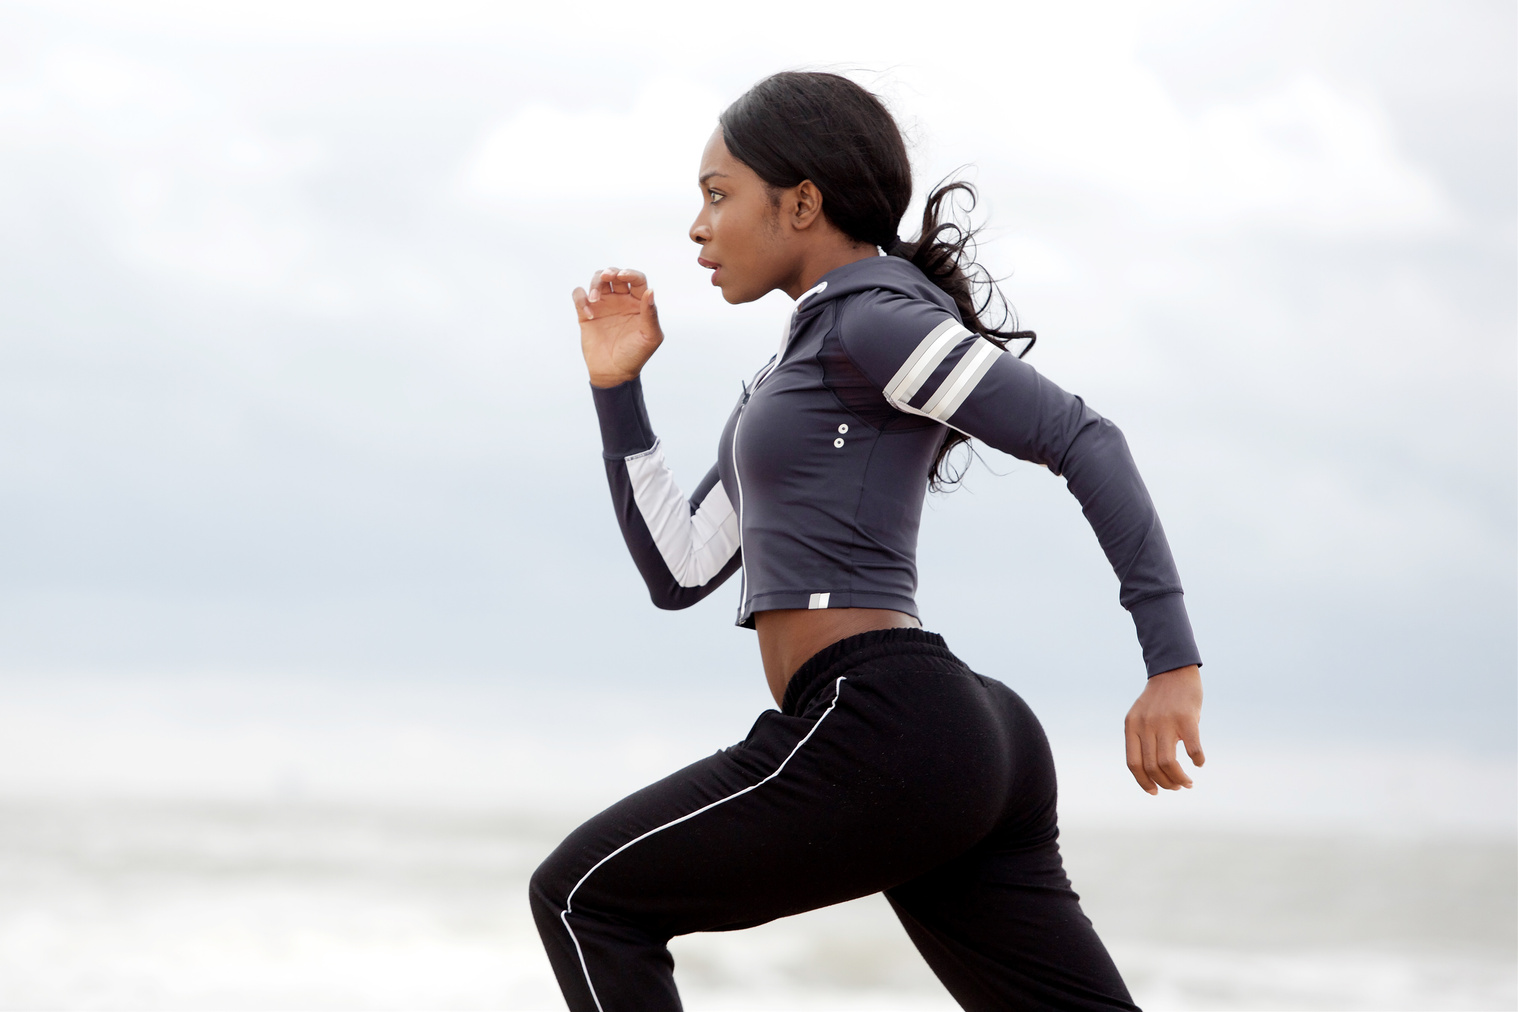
[822, 467]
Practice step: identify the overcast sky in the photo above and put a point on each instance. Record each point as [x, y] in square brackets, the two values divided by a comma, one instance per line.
[290, 384]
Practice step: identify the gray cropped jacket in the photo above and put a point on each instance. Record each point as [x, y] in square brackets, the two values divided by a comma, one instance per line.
[821, 471]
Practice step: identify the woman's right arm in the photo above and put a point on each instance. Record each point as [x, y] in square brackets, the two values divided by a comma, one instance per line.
[684, 548]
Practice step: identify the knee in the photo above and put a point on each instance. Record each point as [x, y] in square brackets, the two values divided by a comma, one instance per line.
[548, 888]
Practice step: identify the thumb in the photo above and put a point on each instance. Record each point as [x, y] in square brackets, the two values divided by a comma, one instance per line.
[650, 316]
[1193, 742]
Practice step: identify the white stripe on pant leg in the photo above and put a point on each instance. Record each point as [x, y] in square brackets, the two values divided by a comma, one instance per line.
[568, 900]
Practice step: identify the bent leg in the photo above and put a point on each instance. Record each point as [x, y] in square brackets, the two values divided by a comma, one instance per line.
[861, 792]
[606, 951]
[1003, 929]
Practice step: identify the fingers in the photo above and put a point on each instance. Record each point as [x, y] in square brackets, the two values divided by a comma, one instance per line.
[612, 281]
[648, 323]
[1135, 749]
[1152, 760]
[634, 280]
[583, 310]
[1167, 713]
[597, 278]
[1167, 770]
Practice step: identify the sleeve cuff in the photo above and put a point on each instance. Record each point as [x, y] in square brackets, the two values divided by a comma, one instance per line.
[1164, 631]
[625, 429]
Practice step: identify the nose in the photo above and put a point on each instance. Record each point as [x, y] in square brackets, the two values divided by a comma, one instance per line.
[700, 232]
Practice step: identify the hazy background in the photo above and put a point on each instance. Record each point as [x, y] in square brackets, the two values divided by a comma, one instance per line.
[302, 511]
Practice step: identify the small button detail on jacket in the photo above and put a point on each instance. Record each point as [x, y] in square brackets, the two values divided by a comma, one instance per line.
[843, 429]
[838, 442]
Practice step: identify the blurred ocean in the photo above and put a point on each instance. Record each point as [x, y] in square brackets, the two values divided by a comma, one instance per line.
[301, 905]
[278, 845]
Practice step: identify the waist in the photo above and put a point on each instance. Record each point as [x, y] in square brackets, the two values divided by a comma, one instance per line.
[788, 636]
[839, 658]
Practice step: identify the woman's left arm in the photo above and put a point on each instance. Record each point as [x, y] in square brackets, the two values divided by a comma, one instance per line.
[929, 365]
[1020, 412]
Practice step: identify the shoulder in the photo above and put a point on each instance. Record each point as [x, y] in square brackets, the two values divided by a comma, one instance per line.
[881, 309]
[881, 328]
[887, 292]
[886, 310]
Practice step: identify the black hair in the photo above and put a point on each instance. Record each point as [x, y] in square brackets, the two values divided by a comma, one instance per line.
[801, 125]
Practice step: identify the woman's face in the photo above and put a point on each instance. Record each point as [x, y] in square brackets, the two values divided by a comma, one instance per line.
[739, 228]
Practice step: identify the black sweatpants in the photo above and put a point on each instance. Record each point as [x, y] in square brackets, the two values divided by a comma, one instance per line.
[891, 767]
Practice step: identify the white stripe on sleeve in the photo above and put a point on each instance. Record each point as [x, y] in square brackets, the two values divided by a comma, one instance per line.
[914, 372]
[961, 382]
[696, 546]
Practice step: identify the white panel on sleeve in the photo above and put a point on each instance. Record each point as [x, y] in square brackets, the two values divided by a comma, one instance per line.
[695, 546]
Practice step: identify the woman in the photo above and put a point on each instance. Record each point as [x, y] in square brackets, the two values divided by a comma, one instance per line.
[889, 766]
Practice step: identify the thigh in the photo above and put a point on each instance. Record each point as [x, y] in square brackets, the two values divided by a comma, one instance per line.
[806, 812]
[1000, 924]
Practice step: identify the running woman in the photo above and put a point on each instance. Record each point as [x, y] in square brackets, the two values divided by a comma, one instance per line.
[889, 766]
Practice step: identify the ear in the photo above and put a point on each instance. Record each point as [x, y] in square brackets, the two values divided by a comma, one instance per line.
[805, 205]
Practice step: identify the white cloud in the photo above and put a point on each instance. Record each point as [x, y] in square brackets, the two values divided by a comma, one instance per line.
[1308, 156]
[1298, 152]
[188, 188]
[545, 152]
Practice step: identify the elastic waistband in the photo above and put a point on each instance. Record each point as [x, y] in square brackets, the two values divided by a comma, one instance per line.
[850, 652]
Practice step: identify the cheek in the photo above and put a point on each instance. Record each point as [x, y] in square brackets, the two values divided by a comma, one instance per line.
[738, 226]
[746, 235]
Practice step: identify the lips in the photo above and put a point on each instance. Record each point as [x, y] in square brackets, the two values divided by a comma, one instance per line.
[710, 265]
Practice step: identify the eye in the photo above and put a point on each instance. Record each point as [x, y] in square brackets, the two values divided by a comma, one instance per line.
[714, 196]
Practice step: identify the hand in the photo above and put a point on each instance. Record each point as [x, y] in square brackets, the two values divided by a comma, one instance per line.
[1167, 711]
[619, 325]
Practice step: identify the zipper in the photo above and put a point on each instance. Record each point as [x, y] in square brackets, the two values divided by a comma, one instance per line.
[748, 391]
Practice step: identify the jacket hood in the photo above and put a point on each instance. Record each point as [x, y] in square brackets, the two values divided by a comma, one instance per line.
[892, 274]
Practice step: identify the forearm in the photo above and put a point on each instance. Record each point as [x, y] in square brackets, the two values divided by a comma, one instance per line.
[1100, 472]
[683, 548]
[1020, 412]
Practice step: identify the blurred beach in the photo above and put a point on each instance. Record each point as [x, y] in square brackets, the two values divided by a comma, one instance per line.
[307, 906]
[235, 844]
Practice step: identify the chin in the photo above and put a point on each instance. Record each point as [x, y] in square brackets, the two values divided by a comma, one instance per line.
[738, 296]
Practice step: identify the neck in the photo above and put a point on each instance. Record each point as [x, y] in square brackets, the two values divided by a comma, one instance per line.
[826, 257]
